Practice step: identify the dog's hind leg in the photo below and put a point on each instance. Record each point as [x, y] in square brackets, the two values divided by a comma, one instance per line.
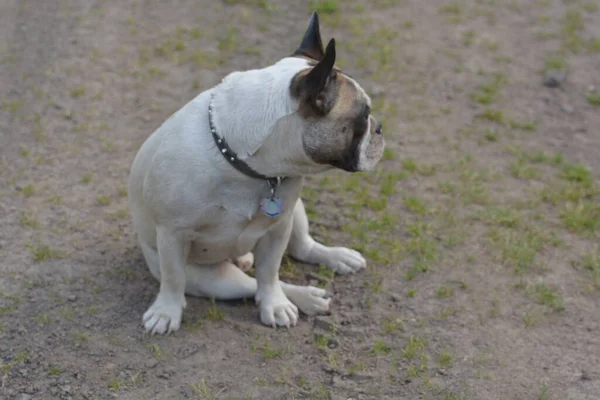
[304, 248]
[226, 281]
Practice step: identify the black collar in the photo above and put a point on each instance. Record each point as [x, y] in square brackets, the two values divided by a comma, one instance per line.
[233, 159]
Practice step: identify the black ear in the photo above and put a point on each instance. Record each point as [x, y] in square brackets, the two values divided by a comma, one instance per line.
[311, 45]
[318, 79]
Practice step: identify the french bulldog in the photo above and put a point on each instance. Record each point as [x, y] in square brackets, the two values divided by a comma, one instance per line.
[217, 186]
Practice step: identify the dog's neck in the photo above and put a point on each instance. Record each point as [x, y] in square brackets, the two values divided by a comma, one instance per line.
[256, 115]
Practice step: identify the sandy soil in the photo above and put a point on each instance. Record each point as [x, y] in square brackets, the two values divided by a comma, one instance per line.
[480, 226]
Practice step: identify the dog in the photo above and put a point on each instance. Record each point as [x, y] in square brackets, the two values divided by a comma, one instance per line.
[219, 182]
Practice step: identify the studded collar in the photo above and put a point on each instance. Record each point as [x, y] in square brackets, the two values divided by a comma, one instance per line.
[233, 158]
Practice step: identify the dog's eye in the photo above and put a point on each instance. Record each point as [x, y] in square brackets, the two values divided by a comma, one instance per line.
[366, 116]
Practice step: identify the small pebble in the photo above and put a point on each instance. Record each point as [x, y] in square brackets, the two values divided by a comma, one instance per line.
[555, 77]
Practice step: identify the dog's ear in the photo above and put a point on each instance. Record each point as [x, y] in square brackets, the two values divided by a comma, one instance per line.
[318, 81]
[311, 45]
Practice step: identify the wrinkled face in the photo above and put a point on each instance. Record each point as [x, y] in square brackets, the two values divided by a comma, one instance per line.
[339, 128]
[345, 135]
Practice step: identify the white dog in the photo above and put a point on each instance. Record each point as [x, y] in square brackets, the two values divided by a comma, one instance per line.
[220, 180]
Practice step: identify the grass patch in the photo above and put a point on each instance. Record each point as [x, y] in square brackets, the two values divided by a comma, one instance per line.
[416, 205]
[28, 190]
[547, 296]
[325, 6]
[103, 200]
[572, 24]
[518, 249]
[114, 384]
[577, 173]
[531, 319]
[29, 220]
[523, 125]
[55, 370]
[591, 263]
[414, 346]
[453, 8]
[581, 217]
[505, 217]
[444, 291]
[380, 348]
[77, 91]
[43, 252]
[491, 115]
[445, 359]
[555, 63]
[487, 92]
[593, 98]
[520, 170]
[87, 178]
[214, 313]
[268, 352]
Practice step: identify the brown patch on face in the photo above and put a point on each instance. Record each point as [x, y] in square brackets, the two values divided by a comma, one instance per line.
[334, 138]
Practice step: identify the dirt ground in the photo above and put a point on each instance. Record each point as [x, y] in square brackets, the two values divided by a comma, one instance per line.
[480, 226]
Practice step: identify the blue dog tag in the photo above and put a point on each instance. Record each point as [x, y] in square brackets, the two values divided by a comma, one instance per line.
[272, 208]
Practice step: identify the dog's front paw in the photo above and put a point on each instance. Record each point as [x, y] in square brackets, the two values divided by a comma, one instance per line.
[164, 316]
[309, 299]
[345, 261]
[275, 308]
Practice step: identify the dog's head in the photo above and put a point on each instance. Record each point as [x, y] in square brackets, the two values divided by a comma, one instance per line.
[339, 128]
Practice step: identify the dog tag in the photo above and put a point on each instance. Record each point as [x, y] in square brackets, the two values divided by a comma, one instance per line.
[272, 208]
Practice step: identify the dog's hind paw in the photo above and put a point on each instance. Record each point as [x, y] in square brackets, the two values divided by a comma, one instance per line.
[245, 262]
[164, 316]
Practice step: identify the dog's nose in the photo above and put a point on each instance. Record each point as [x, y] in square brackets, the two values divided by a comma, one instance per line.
[378, 129]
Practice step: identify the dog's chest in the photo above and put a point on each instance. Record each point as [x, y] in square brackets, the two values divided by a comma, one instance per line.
[233, 226]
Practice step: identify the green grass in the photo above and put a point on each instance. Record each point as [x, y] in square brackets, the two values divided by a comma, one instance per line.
[572, 25]
[593, 98]
[87, 178]
[577, 173]
[325, 6]
[214, 313]
[454, 8]
[531, 319]
[29, 220]
[103, 200]
[55, 370]
[114, 384]
[518, 249]
[555, 63]
[43, 252]
[444, 291]
[590, 6]
[445, 359]
[380, 348]
[414, 347]
[581, 217]
[77, 91]
[521, 170]
[415, 205]
[391, 325]
[523, 125]
[492, 115]
[505, 217]
[28, 190]
[487, 93]
[548, 296]
[591, 262]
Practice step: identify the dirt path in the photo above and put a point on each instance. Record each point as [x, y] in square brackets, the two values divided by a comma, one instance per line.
[481, 225]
